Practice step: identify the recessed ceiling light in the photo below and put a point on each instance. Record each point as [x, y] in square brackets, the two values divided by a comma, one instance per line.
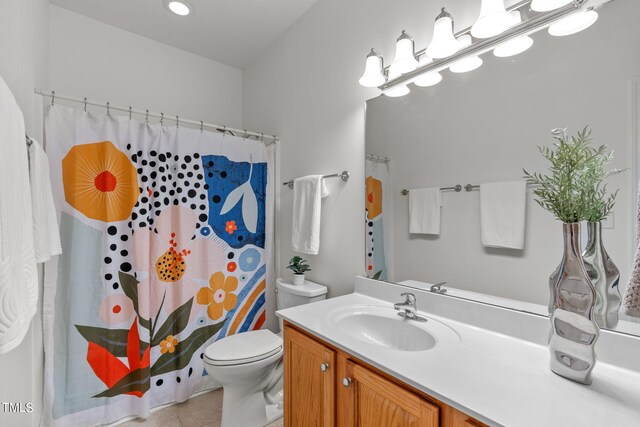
[181, 8]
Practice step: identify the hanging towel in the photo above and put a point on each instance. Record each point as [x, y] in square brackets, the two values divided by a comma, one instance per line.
[424, 210]
[18, 273]
[45, 223]
[631, 301]
[503, 214]
[308, 193]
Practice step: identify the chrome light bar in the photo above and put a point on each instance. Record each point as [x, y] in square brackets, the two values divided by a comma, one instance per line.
[535, 21]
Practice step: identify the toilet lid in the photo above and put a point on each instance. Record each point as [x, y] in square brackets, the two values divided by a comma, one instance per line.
[243, 348]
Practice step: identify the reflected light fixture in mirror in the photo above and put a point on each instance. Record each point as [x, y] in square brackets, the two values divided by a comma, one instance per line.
[180, 8]
[443, 43]
[574, 23]
[514, 46]
[427, 79]
[547, 5]
[494, 19]
[373, 71]
[469, 63]
[396, 91]
[405, 60]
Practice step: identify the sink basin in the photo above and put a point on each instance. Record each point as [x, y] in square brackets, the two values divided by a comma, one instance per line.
[382, 327]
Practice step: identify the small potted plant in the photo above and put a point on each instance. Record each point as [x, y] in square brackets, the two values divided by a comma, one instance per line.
[299, 266]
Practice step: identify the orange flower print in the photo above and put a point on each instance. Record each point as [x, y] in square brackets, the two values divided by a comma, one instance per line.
[231, 227]
[218, 296]
[231, 267]
[100, 181]
[168, 345]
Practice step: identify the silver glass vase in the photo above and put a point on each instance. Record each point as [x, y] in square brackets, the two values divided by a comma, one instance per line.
[573, 328]
[605, 277]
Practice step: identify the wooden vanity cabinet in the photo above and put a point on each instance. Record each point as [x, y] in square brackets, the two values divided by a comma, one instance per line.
[326, 387]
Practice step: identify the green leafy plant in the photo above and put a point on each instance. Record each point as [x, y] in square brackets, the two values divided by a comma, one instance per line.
[573, 191]
[298, 265]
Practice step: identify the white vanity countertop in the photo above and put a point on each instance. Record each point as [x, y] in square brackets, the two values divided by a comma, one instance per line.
[498, 379]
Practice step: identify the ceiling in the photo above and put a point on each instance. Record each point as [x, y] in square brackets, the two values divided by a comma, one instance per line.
[228, 31]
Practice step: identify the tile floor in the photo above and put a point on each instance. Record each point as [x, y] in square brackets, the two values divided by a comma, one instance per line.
[201, 411]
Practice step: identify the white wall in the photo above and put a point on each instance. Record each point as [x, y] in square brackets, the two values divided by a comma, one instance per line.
[105, 63]
[485, 126]
[305, 89]
[24, 49]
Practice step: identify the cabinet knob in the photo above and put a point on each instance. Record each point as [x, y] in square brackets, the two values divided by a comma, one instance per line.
[346, 381]
[324, 367]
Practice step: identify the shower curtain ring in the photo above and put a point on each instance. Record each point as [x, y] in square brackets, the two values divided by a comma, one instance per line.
[53, 97]
[85, 104]
[129, 112]
[177, 122]
[108, 109]
[201, 126]
[224, 130]
[161, 119]
[261, 136]
[146, 118]
[245, 133]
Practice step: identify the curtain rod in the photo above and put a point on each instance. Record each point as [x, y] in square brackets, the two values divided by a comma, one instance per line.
[219, 128]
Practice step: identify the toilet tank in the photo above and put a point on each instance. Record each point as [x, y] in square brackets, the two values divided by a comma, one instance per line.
[290, 295]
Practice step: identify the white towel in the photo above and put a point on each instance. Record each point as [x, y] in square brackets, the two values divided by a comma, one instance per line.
[424, 210]
[45, 223]
[503, 214]
[308, 193]
[18, 272]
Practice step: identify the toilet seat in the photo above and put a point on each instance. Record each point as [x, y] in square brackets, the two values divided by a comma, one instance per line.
[243, 348]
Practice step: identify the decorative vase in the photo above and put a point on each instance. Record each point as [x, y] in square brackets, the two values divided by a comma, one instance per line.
[574, 331]
[298, 279]
[605, 277]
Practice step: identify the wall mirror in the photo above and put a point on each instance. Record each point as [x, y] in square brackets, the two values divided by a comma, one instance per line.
[485, 126]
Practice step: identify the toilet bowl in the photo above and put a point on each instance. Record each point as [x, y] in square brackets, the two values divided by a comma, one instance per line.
[249, 365]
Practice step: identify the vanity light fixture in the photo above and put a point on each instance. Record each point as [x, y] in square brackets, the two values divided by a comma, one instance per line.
[427, 79]
[547, 5]
[468, 63]
[180, 8]
[514, 46]
[405, 54]
[373, 71]
[395, 91]
[512, 26]
[574, 23]
[494, 19]
[443, 43]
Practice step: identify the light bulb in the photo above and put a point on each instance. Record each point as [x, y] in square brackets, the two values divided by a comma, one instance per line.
[514, 46]
[373, 75]
[429, 78]
[443, 43]
[493, 20]
[469, 63]
[547, 5]
[396, 91]
[405, 60]
[180, 8]
[574, 23]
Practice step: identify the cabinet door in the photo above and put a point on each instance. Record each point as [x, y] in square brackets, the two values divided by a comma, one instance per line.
[309, 381]
[373, 401]
[455, 418]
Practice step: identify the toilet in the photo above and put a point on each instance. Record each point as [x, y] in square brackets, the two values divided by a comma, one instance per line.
[249, 364]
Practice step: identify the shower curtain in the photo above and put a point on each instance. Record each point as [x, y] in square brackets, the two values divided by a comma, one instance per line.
[378, 220]
[166, 235]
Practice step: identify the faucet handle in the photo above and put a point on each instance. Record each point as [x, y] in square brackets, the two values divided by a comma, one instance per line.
[410, 298]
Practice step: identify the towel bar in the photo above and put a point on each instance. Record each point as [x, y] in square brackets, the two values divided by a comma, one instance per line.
[344, 176]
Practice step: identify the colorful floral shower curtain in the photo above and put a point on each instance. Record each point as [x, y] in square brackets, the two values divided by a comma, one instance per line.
[166, 235]
[378, 224]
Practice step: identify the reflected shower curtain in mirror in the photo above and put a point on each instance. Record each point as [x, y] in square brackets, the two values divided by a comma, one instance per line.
[378, 219]
[166, 235]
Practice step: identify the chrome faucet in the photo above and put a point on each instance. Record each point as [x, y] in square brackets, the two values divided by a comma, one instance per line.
[438, 288]
[409, 308]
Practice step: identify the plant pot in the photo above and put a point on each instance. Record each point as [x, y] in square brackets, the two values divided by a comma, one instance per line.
[605, 277]
[298, 279]
[574, 331]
